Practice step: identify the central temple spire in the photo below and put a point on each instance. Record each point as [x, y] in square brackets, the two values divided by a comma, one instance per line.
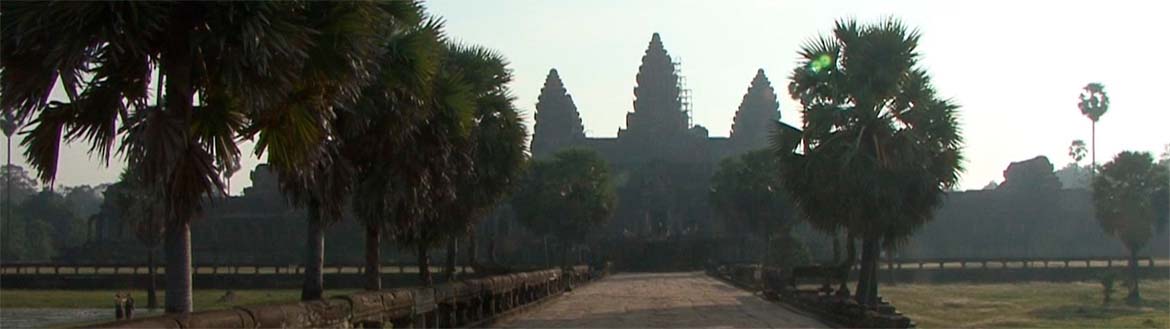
[658, 109]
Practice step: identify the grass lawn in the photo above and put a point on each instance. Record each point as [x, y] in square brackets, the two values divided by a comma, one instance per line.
[1029, 304]
[203, 299]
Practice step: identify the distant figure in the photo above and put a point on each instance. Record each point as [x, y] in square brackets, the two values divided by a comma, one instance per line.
[128, 305]
[119, 312]
[228, 297]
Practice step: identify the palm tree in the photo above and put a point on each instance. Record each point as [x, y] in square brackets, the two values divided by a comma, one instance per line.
[1094, 103]
[879, 144]
[380, 137]
[9, 125]
[241, 59]
[496, 146]
[440, 152]
[321, 179]
[1130, 201]
[1076, 151]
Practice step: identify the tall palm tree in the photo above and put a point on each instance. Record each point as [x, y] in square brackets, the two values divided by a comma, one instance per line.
[878, 139]
[379, 134]
[338, 71]
[241, 59]
[1094, 103]
[9, 125]
[496, 145]
[438, 154]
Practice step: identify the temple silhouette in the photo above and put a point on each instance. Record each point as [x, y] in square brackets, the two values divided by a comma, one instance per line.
[663, 162]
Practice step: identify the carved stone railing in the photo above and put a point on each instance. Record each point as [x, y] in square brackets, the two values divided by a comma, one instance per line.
[458, 304]
[55, 268]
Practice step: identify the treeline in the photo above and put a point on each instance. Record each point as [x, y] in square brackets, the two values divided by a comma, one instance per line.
[1036, 212]
[41, 225]
[997, 223]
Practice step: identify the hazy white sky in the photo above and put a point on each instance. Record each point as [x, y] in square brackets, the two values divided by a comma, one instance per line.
[1016, 67]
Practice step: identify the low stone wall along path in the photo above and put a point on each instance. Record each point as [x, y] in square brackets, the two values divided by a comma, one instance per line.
[659, 300]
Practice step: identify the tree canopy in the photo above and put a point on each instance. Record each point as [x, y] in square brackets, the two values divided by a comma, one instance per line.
[1128, 194]
[566, 196]
[747, 193]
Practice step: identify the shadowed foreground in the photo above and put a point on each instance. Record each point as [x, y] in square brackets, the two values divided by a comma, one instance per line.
[659, 300]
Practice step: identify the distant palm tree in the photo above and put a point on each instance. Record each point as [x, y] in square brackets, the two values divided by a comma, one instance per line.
[1076, 151]
[9, 125]
[880, 147]
[1094, 103]
[242, 60]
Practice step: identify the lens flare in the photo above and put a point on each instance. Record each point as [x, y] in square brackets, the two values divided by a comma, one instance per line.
[822, 63]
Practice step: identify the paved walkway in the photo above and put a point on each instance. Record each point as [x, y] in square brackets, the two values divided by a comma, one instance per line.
[659, 300]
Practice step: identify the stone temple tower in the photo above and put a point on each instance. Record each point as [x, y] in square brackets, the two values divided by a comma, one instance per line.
[658, 110]
[558, 124]
[757, 116]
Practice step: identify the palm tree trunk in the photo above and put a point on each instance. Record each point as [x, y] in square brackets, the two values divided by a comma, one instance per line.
[178, 253]
[424, 265]
[836, 248]
[314, 282]
[1093, 166]
[565, 250]
[373, 257]
[8, 196]
[472, 249]
[890, 268]
[866, 281]
[178, 69]
[452, 250]
[767, 250]
[850, 259]
[1134, 297]
[547, 259]
[742, 249]
[151, 288]
[492, 249]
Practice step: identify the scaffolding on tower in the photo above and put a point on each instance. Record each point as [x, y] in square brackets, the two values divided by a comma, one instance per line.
[684, 93]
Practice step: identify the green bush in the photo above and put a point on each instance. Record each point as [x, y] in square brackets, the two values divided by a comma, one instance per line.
[1107, 282]
[787, 251]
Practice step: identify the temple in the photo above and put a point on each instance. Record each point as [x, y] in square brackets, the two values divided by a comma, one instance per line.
[661, 160]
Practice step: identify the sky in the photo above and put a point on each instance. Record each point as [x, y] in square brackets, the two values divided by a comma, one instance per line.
[1015, 67]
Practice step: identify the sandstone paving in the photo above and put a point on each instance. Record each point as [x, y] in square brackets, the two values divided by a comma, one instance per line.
[659, 300]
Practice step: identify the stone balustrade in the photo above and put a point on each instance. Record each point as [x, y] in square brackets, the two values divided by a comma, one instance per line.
[457, 304]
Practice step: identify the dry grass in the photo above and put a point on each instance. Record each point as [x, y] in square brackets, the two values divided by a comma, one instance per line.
[1030, 304]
